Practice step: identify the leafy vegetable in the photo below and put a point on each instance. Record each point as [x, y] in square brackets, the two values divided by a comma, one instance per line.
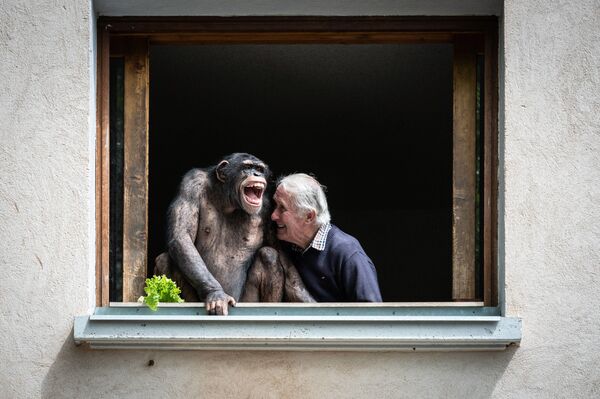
[160, 289]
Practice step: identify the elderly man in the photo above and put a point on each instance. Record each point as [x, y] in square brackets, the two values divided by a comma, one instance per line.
[333, 265]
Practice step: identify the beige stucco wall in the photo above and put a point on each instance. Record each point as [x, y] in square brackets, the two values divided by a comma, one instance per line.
[549, 237]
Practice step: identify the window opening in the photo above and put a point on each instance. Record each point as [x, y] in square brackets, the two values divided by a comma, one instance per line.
[367, 120]
[353, 90]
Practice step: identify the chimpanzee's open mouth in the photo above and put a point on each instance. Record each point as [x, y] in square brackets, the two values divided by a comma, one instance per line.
[253, 192]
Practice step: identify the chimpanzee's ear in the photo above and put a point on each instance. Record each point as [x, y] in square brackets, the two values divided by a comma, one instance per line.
[220, 170]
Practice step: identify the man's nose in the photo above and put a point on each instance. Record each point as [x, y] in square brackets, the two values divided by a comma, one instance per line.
[274, 216]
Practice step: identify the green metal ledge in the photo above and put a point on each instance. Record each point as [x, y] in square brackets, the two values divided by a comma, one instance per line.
[353, 327]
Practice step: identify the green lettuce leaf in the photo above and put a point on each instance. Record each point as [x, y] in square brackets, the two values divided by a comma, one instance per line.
[160, 289]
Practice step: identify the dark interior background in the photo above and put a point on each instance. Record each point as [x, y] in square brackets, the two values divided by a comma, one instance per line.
[372, 122]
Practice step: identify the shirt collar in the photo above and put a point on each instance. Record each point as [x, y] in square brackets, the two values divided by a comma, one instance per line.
[318, 242]
[320, 239]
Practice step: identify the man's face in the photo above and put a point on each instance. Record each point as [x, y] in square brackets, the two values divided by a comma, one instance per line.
[291, 227]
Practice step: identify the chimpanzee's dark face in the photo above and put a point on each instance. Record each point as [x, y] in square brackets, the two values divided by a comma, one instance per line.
[247, 177]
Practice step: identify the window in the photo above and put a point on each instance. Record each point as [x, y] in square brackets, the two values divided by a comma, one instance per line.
[352, 88]
[430, 82]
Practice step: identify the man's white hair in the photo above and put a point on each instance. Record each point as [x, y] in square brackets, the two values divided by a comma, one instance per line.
[306, 194]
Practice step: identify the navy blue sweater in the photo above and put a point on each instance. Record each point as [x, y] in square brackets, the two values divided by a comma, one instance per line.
[342, 272]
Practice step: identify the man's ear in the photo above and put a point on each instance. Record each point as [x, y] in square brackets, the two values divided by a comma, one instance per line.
[311, 216]
[220, 171]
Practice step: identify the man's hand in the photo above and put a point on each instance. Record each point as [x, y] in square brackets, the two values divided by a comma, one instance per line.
[217, 303]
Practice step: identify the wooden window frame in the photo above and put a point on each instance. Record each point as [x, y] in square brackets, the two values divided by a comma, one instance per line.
[132, 36]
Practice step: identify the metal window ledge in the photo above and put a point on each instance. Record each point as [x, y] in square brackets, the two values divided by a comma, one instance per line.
[280, 327]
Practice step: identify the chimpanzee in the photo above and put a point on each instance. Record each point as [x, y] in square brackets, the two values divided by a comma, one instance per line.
[220, 240]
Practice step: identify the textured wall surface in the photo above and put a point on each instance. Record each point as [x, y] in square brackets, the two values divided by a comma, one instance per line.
[552, 195]
[45, 192]
[550, 235]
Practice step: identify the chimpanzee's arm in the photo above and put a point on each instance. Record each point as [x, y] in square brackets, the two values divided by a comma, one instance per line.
[182, 227]
[295, 290]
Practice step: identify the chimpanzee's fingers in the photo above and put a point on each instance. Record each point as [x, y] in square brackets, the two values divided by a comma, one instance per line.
[211, 307]
[232, 301]
[219, 308]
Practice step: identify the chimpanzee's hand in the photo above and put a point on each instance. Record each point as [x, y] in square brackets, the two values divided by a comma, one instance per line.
[217, 303]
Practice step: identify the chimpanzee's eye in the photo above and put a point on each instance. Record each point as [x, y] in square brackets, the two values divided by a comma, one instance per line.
[256, 167]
